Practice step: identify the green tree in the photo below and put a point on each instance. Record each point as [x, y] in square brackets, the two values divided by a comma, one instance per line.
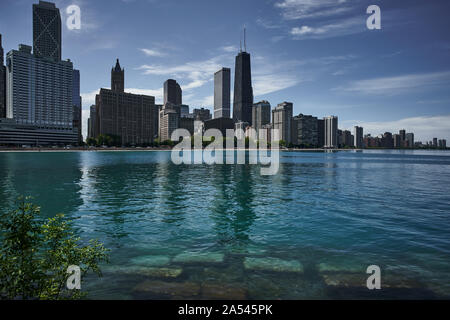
[35, 257]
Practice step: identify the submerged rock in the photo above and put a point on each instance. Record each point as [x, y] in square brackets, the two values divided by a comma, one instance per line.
[168, 289]
[171, 272]
[194, 257]
[341, 267]
[151, 261]
[273, 264]
[223, 292]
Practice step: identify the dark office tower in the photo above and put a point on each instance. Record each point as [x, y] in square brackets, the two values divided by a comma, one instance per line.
[243, 91]
[76, 103]
[117, 78]
[222, 93]
[2, 83]
[321, 132]
[46, 31]
[172, 92]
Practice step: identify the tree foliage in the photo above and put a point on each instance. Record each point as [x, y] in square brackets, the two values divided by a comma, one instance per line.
[34, 257]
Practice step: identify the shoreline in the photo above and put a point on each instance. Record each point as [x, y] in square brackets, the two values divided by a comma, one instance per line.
[5, 150]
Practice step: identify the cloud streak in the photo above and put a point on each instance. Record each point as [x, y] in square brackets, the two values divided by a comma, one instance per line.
[305, 9]
[398, 84]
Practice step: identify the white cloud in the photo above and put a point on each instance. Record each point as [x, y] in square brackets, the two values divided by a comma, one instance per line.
[268, 83]
[230, 49]
[303, 9]
[153, 52]
[267, 24]
[336, 29]
[198, 72]
[424, 128]
[398, 84]
[88, 98]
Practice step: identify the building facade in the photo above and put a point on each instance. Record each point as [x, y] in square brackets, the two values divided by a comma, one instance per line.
[129, 118]
[172, 92]
[202, 114]
[222, 84]
[305, 131]
[282, 121]
[260, 114]
[169, 121]
[243, 91]
[77, 104]
[409, 139]
[117, 78]
[358, 133]
[2, 82]
[331, 132]
[39, 91]
[46, 31]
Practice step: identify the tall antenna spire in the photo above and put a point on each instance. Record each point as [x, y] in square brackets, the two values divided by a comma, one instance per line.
[240, 42]
[245, 41]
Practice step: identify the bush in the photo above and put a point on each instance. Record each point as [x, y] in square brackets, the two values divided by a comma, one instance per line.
[35, 257]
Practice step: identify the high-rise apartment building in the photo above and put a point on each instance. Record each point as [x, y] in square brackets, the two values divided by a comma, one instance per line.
[409, 138]
[243, 91]
[2, 82]
[304, 131]
[39, 91]
[222, 93]
[260, 115]
[76, 104]
[320, 133]
[331, 132]
[46, 31]
[282, 120]
[172, 92]
[358, 134]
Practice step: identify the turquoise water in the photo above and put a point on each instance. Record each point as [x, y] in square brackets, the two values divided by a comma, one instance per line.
[225, 231]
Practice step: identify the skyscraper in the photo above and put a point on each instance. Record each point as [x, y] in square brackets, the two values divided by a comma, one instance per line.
[46, 31]
[304, 131]
[117, 78]
[358, 136]
[172, 92]
[260, 114]
[282, 120]
[320, 133]
[76, 103]
[409, 138]
[39, 90]
[131, 119]
[2, 82]
[243, 91]
[222, 93]
[331, 132]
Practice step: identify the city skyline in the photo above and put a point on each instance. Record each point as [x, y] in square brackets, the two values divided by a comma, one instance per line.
[340, 79]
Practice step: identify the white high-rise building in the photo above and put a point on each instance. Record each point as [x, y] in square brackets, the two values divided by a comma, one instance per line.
[331, 132]
[39, 90]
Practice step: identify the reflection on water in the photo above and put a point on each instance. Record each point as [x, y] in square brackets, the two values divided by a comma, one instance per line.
[225, 231]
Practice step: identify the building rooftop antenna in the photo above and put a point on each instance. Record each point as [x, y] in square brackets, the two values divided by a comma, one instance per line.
[240, 42]
[245, 42]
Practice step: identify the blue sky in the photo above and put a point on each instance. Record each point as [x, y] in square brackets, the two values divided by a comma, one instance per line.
[317, 54]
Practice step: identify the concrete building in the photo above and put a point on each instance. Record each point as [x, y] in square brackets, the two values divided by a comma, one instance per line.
[260, 115]
[2, 82]
[387, 141]
[39, 91]
[282, 121]
[184, 111]
[46, 31]
[172, 92]
[240, 128]
[188, 124]
[409, 140]
[169, 121]
[358, 133]
[220, 123]
[442, 144]
[305, 131]
[130, 118]
[347, 140]
[77, 105]
[331, 132]
[321, 132]
[435, 142]
[397, 141]
[202, 114]
[222, 89]
[243, 91]
[402, 134]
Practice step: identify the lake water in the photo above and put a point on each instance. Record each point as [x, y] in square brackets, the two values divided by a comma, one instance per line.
[225, 231]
